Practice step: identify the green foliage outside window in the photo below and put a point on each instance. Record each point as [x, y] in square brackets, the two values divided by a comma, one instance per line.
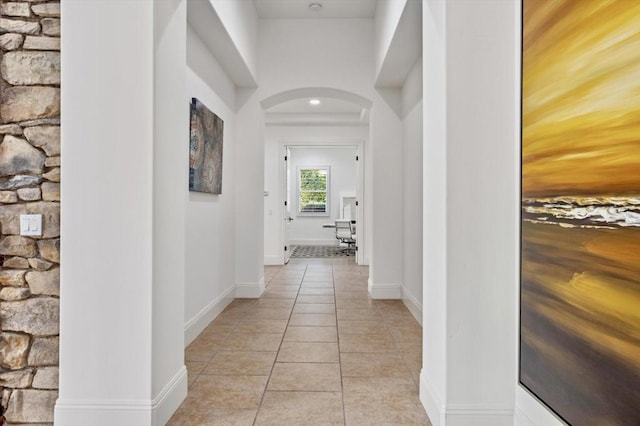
[313, 191]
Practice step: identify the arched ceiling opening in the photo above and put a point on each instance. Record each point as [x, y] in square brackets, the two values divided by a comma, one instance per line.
[316, 106]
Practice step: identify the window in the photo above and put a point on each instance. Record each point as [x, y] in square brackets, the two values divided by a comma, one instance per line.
[313, 192]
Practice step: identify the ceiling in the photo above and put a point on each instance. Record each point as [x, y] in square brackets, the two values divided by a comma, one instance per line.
[330, 110]
[327, 105]
[299, 9]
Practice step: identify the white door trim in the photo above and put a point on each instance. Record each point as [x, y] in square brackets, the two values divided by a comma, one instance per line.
[360, 187]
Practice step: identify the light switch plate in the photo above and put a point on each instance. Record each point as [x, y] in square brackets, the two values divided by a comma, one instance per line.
[31, 224]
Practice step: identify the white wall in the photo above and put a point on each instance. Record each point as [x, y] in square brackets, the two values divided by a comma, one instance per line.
[341, 58]
[388, 13]
[342, 178]
[210, 219]
[433, 378]
[170, 177]
[412, 134]
[472, 44]
[121, 358]
[275, 136]
[240, 20]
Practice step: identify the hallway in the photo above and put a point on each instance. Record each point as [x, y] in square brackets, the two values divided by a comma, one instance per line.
[314, 349]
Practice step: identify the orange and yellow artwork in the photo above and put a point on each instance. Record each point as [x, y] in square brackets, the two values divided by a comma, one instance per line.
[580, 228]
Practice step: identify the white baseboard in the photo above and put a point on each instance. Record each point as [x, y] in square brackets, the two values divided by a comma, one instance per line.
[273, 260]
[530, 412]
[384, 291]
[202, 319]
[478, 415]
[432, 402]
[441, 414]
[103, 412]
[170, 398]
[414, 306]
[331, 242]
[250, 290]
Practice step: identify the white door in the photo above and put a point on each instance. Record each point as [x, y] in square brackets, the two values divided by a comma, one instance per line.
[287, 205]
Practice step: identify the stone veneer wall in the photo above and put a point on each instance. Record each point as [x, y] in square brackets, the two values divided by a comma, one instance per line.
[29, 183]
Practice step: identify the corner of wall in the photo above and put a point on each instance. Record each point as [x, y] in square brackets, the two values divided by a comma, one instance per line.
[431, 401]
[384, 291]
[413, 304]
[250, 290]
[169, 399]
[202, 319]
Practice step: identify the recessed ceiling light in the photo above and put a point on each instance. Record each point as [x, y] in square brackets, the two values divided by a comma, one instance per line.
[315, 6]
[314, 102]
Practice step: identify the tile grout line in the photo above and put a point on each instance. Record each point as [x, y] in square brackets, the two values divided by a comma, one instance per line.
[279, 346]
[335, 304]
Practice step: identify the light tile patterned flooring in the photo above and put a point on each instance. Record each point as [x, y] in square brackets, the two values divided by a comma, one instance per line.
[313, 350]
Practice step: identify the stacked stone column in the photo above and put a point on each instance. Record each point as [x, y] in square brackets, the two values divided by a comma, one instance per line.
[29, 184]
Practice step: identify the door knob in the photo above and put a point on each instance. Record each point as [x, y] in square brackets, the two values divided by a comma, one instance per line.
[289, 219]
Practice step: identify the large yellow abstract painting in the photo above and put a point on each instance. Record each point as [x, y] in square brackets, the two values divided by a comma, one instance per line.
[580, 258]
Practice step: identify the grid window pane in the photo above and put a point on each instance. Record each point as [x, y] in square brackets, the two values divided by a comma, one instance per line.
[313, 191]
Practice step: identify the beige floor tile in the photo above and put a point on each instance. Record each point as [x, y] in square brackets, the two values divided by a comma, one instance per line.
[282, 287]
[317, 284]
[346, 327]
[402, 320]
[275, 303]
[252, 342]
[198, 353]
[231, 319]
[357, 314]
[373, 365]
[380, 394]
[308, 352]
[241, 362]
[352, 295]
[275, 294]
[353, 303]
[309, 277]
[310, 334]
[267, 313]
[261, 326]
[301, 408]
[285, 281]
[411, 350]
[384, 417]
[377, 360]
[392, 305]
[367, 343]
[361, 282]
[213, 335]
[305, 377]
[212, 392]
[314, 308]
[194, 368]
[316, 290]
[289, 276]
[313, 319]
[305, 298]
[406, 334]
[208, 417]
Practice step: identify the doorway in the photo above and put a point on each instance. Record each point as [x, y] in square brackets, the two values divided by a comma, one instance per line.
[320, 182]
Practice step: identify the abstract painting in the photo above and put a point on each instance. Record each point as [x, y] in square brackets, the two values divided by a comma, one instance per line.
[580, 227]
[205, 149]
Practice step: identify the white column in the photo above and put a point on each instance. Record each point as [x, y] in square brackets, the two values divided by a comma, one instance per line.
[470, 190]
[170, 191]
[122, 276]
[385, 158]
[249, 250]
